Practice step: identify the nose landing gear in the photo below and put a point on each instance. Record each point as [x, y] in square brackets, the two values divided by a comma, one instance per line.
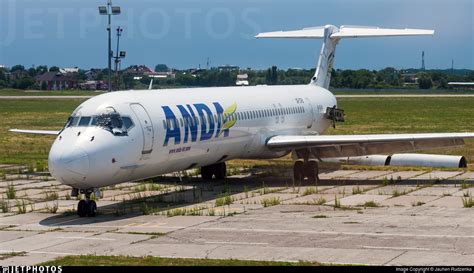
[306, 169]
[87, 206]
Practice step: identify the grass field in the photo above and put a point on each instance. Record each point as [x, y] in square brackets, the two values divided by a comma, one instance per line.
[363, 115]
[30, 114]
[16, 92]
[90, 260]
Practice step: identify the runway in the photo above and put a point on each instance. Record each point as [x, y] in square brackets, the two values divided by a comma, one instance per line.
[383, 218]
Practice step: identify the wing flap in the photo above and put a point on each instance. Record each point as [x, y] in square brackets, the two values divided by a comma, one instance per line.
[35, 132]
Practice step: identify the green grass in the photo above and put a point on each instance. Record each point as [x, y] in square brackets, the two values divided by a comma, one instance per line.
[224, 200]
[31, 114]
[409, 115]
[11, 191]
[268, 202]
[468, 202]
[337, 203]
[50, 196]
[16, 92]
[357, 190]
[310, 190]
[320, 201]
[89, 260]
[370, 204]
[363, 116]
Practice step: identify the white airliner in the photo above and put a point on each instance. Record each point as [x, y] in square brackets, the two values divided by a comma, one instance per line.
[132, 135]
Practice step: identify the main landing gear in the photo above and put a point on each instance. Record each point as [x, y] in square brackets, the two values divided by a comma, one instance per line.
[87, 205]
[306, 169]
[218, 171]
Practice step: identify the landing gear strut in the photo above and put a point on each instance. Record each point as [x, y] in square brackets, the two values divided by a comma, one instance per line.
[218, 171]
[306, 169]
[87, 206]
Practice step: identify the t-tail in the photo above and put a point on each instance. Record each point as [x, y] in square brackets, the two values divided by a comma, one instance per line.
[332, 35]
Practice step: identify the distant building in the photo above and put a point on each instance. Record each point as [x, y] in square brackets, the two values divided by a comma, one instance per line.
[228, 68]
[162, 75]
[2, 66]
[242, 80]
[140, 71]
[94, 85]
[58, 80]
[69, 70]
[93, 74]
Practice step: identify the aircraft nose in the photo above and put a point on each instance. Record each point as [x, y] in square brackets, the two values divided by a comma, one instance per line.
[70, 165]
[76, 162]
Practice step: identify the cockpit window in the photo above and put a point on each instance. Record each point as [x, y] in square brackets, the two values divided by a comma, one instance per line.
[84, 121]
[127, 122]
[111, 122]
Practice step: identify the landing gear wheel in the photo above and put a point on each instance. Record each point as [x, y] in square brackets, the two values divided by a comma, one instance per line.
[311, 171]
[82, 208]
[91, 209]
[298, 171]
[220, 170]
[206, 172]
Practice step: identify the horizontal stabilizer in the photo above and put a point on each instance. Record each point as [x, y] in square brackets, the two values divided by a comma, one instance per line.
[306, 33]
[35, 132]
[345, 32]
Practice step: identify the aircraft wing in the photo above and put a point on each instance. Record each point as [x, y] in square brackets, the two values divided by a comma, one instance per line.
[357, 145]
[35, 132]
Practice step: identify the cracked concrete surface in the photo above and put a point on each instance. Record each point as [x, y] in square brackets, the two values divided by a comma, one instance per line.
[411, 222]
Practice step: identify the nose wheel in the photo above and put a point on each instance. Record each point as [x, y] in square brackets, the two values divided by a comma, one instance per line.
[87, 206]
[306, 170]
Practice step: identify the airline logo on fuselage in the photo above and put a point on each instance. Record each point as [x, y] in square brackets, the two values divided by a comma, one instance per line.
[196, 118]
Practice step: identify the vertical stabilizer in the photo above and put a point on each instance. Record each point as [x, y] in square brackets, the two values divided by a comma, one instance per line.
[322, 76]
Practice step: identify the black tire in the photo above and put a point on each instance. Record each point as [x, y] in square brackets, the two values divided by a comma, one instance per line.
[91, 209]
[220, 170]
[206, 173]
[81, 208]
[311, 171]
[298, 169]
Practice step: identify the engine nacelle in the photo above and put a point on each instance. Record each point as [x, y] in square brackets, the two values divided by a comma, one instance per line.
[426, 160]
[418, 160]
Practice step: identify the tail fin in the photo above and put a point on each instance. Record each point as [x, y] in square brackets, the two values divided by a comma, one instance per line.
[331, 36]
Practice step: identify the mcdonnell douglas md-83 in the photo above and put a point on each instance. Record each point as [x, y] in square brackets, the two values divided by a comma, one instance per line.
[133, 135]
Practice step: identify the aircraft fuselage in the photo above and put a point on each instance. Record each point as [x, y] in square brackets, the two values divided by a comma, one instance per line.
[178, 129]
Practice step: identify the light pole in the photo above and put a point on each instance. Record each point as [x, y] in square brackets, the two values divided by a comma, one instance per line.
[118, 58]
[109, 10]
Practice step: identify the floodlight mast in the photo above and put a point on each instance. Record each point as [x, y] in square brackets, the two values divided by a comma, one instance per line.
[109, 10]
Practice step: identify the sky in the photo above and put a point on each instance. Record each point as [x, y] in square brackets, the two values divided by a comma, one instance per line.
[185, 33]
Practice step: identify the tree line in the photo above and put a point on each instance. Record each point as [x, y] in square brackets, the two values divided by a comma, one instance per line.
[354, 79]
